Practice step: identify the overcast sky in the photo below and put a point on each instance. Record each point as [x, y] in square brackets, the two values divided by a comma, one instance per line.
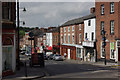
[46, 14]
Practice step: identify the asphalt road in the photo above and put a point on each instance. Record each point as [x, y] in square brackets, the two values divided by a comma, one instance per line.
[64, 69]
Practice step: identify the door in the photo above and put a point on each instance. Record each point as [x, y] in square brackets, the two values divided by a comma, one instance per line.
[68, 53]
[118, 54]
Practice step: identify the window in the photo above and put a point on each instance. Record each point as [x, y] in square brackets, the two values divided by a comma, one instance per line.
[68, 29]
[6, 11]
[112, 50]
[79, 38]
[64, 38]
[79, 26]
[73, 39]
[112, 27]
[85, 36]
[7, 58]
[72, 28]
[112, 7]
[61, 30]
[68, 38]
[79, 53]
[102, 26]
[65, 29]
[89, 22]
[102, 50]
[92, 36]
[102, 10]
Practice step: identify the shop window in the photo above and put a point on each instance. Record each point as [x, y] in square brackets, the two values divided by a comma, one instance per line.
[102, 50]
[7, 58]
[112, 50]
[79, 54]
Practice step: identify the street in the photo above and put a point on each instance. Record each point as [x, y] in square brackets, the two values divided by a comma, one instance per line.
[66, 69]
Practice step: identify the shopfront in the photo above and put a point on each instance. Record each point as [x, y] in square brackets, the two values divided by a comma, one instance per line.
[8, 54]
[89, 51]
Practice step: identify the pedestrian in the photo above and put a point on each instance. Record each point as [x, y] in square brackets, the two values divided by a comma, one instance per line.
[65, 55]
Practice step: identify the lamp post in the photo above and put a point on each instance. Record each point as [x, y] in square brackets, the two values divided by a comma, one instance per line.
[104, 44]
[18, 24]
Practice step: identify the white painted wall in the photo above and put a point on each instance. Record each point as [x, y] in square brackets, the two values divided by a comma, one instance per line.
[49, 39]
[90, 29]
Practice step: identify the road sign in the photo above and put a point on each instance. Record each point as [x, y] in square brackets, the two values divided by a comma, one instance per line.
[31, 34]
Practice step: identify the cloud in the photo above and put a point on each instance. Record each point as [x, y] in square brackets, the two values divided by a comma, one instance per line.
[45, 14]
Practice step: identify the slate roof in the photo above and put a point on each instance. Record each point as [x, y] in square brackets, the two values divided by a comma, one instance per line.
[37, 32]
[56, 29]
[78, 20]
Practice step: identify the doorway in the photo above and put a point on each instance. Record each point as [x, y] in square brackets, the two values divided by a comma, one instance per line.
[68, 53]
[118, 54]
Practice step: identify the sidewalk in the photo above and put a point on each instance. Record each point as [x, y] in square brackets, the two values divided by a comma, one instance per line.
[114, 65]
[32, 73]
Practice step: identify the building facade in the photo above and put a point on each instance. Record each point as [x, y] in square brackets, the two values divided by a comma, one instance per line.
[8, 38]
[56, 40]
[71, 37]
[107, 18]
[90, 38]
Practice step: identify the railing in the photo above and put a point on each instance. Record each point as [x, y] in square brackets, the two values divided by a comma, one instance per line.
[88, 43]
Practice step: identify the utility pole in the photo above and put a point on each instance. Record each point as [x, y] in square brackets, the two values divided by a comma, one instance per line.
[18, 57]
[103, 45]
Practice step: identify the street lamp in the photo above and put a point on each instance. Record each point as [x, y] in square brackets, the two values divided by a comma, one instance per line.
[104, 44]
[18, 24]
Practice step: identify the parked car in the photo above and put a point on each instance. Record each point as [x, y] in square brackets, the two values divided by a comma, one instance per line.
[51, 56]
[23, 52]
[27, 54]
[58, 57]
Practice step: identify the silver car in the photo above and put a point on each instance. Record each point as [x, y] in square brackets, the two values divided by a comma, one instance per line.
[58, 57]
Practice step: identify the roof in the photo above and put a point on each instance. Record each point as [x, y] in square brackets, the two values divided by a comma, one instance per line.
[78, 20]
[56, 29]
[37, 32]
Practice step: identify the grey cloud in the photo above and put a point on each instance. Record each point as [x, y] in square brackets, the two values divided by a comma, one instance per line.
[53, 13]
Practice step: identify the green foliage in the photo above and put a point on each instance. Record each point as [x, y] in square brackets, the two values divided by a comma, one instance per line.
[22, 31]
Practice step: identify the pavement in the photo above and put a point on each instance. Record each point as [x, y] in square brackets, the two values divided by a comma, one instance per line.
[32, 73]
[27, 73]
[100, 63]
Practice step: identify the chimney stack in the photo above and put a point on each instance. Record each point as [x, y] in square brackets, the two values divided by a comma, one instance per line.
[92, 10]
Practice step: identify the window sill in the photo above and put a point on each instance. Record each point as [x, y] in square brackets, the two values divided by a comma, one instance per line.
[112, 58]
[102, 14]
[111, 12]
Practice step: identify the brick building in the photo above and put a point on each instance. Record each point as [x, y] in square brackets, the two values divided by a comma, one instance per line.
[56, 40]
[8, 38]
[71, 38]
[107, 18]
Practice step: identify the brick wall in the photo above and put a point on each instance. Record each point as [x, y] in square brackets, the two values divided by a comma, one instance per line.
[107, 17]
